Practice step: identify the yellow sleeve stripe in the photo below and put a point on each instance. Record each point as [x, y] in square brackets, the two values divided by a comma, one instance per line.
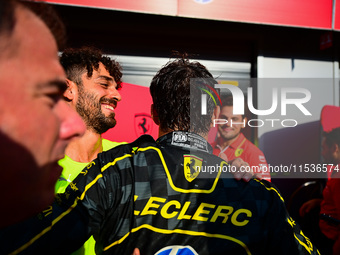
[308, 246]
[303, 244]
[88, 186]
[115, 161]
[180, 231]
[271, 188]
[25, 246]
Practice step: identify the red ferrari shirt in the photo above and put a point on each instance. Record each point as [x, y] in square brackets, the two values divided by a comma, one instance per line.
[246, 150]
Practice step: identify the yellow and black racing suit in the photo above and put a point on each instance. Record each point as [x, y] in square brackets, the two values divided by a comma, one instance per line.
[166, 196]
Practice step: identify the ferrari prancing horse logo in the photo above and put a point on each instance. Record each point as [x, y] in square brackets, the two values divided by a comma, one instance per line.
[192, 166]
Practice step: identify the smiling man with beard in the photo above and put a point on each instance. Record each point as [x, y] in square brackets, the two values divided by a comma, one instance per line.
[93, 82]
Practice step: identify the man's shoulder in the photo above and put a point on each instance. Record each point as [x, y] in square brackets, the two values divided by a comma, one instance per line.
[128, 148]
[71, 165]
[108, 144]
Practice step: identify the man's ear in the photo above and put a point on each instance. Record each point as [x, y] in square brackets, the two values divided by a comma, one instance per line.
[216, 114]
[154, 115]
[69, 93]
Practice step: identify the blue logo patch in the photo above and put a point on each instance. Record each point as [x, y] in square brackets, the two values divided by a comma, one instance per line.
[177, 250]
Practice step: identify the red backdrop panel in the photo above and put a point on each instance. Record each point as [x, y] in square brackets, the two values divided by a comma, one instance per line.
[304, 13]
[337, 16]
[300, 13]
[167, 7]
[133, 115]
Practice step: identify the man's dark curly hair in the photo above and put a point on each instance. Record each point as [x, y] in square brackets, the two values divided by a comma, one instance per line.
[50, 17]
[86, 59]
[176, 93]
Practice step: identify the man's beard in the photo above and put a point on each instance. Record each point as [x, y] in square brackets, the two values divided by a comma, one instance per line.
[229, 136]
[89, 108]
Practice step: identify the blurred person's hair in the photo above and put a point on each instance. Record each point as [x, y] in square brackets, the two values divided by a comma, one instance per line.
[7, 17]
[44, 11]
[49, 16]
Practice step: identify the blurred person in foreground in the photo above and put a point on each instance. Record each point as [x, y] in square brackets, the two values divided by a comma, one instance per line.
[165, 196]
[36, 124]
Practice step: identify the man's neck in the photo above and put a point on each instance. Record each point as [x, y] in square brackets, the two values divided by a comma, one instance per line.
[162, 132]
[86, 148]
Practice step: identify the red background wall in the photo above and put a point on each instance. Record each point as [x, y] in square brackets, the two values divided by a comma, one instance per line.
[300, 13]
[130, 112]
